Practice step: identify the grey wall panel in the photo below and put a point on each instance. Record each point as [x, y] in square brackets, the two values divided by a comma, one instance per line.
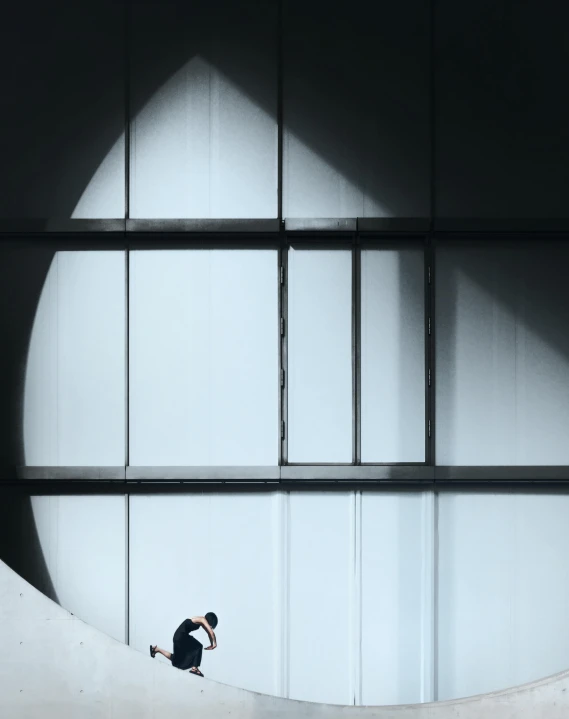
[74, 394]
[204, 358]
[83, 542]
[204, 94]
[502, 355]
[392, 356]
[321, 570]
[392, 546]
[319, 356]
[502, 126]
[62, 104]
[503, 589]
[191, 554]
[356, 109]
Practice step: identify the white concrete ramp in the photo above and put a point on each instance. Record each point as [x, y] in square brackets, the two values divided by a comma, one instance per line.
[55, 665]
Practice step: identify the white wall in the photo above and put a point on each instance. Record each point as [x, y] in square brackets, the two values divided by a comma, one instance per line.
[392, 355]
[74, 396]
[83, 542]
[319, 356]
[204, 348]
[503, 590]
[502, 352]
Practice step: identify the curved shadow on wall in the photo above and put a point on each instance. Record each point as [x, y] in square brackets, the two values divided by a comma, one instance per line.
[20, 545]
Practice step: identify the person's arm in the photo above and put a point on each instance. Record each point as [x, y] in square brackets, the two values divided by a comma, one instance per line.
[202, 621]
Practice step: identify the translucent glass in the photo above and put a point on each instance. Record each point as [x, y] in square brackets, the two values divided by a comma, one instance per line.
[502, 352]
[85, 565]
[237, 581]
[320, 356]
[392, 356]
[204, 130]
[74, 397]
[502, 591]
[392, 547]
[352, 147]
[204, 348]
[320, 592]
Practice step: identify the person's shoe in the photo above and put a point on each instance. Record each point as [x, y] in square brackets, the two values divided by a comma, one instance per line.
[196, 671]
[152, 651]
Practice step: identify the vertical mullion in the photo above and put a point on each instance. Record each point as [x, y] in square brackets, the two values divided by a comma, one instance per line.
[283, 339]
[358, 317]
[428, 368]
[127, 356]
[280, 112]
[355, 347]
[432, 356]
[127, 19]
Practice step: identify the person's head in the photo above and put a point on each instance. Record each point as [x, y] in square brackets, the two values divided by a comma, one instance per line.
[212, 619]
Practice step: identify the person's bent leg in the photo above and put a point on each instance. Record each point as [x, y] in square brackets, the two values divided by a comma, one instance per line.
[164, 653]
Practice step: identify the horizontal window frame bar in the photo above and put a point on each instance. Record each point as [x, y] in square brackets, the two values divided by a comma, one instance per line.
[254, 225]
[295, 474]
[489, 224]
[47, 473]
[55, 225]
[142, 487]
[220, 473]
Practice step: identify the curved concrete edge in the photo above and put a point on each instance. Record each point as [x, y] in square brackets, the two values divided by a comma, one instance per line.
[54, 665]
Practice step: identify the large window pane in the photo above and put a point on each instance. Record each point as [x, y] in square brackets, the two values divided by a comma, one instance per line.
[62, 108]
[502, 126]
[320, 592]
[81, 543]
[503, 591]
[238, 579]
[204, 358]
[204, 98]
[356, 109]
[320, 356]
[393, 356]
[392, 547]
[502, 355]
[74, 395]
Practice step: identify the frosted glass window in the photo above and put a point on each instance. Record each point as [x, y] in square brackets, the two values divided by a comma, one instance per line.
[503, 591]
[204, 349]
[83, 541]
[74, 396]
[351, 146]
[237, 580]
[392, 356]
[321, 574]
[320, 356]
[204, 130]
[502, 351]
[391, 547]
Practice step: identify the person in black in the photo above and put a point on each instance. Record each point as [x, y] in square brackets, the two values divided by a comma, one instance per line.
[187, 652]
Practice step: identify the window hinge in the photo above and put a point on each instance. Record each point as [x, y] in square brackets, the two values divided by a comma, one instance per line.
[429, 274]
[429, 377]
[282, 377]
[429, 325]
[282, 275]
[282, 326]
[282, 429]
[429, 428]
